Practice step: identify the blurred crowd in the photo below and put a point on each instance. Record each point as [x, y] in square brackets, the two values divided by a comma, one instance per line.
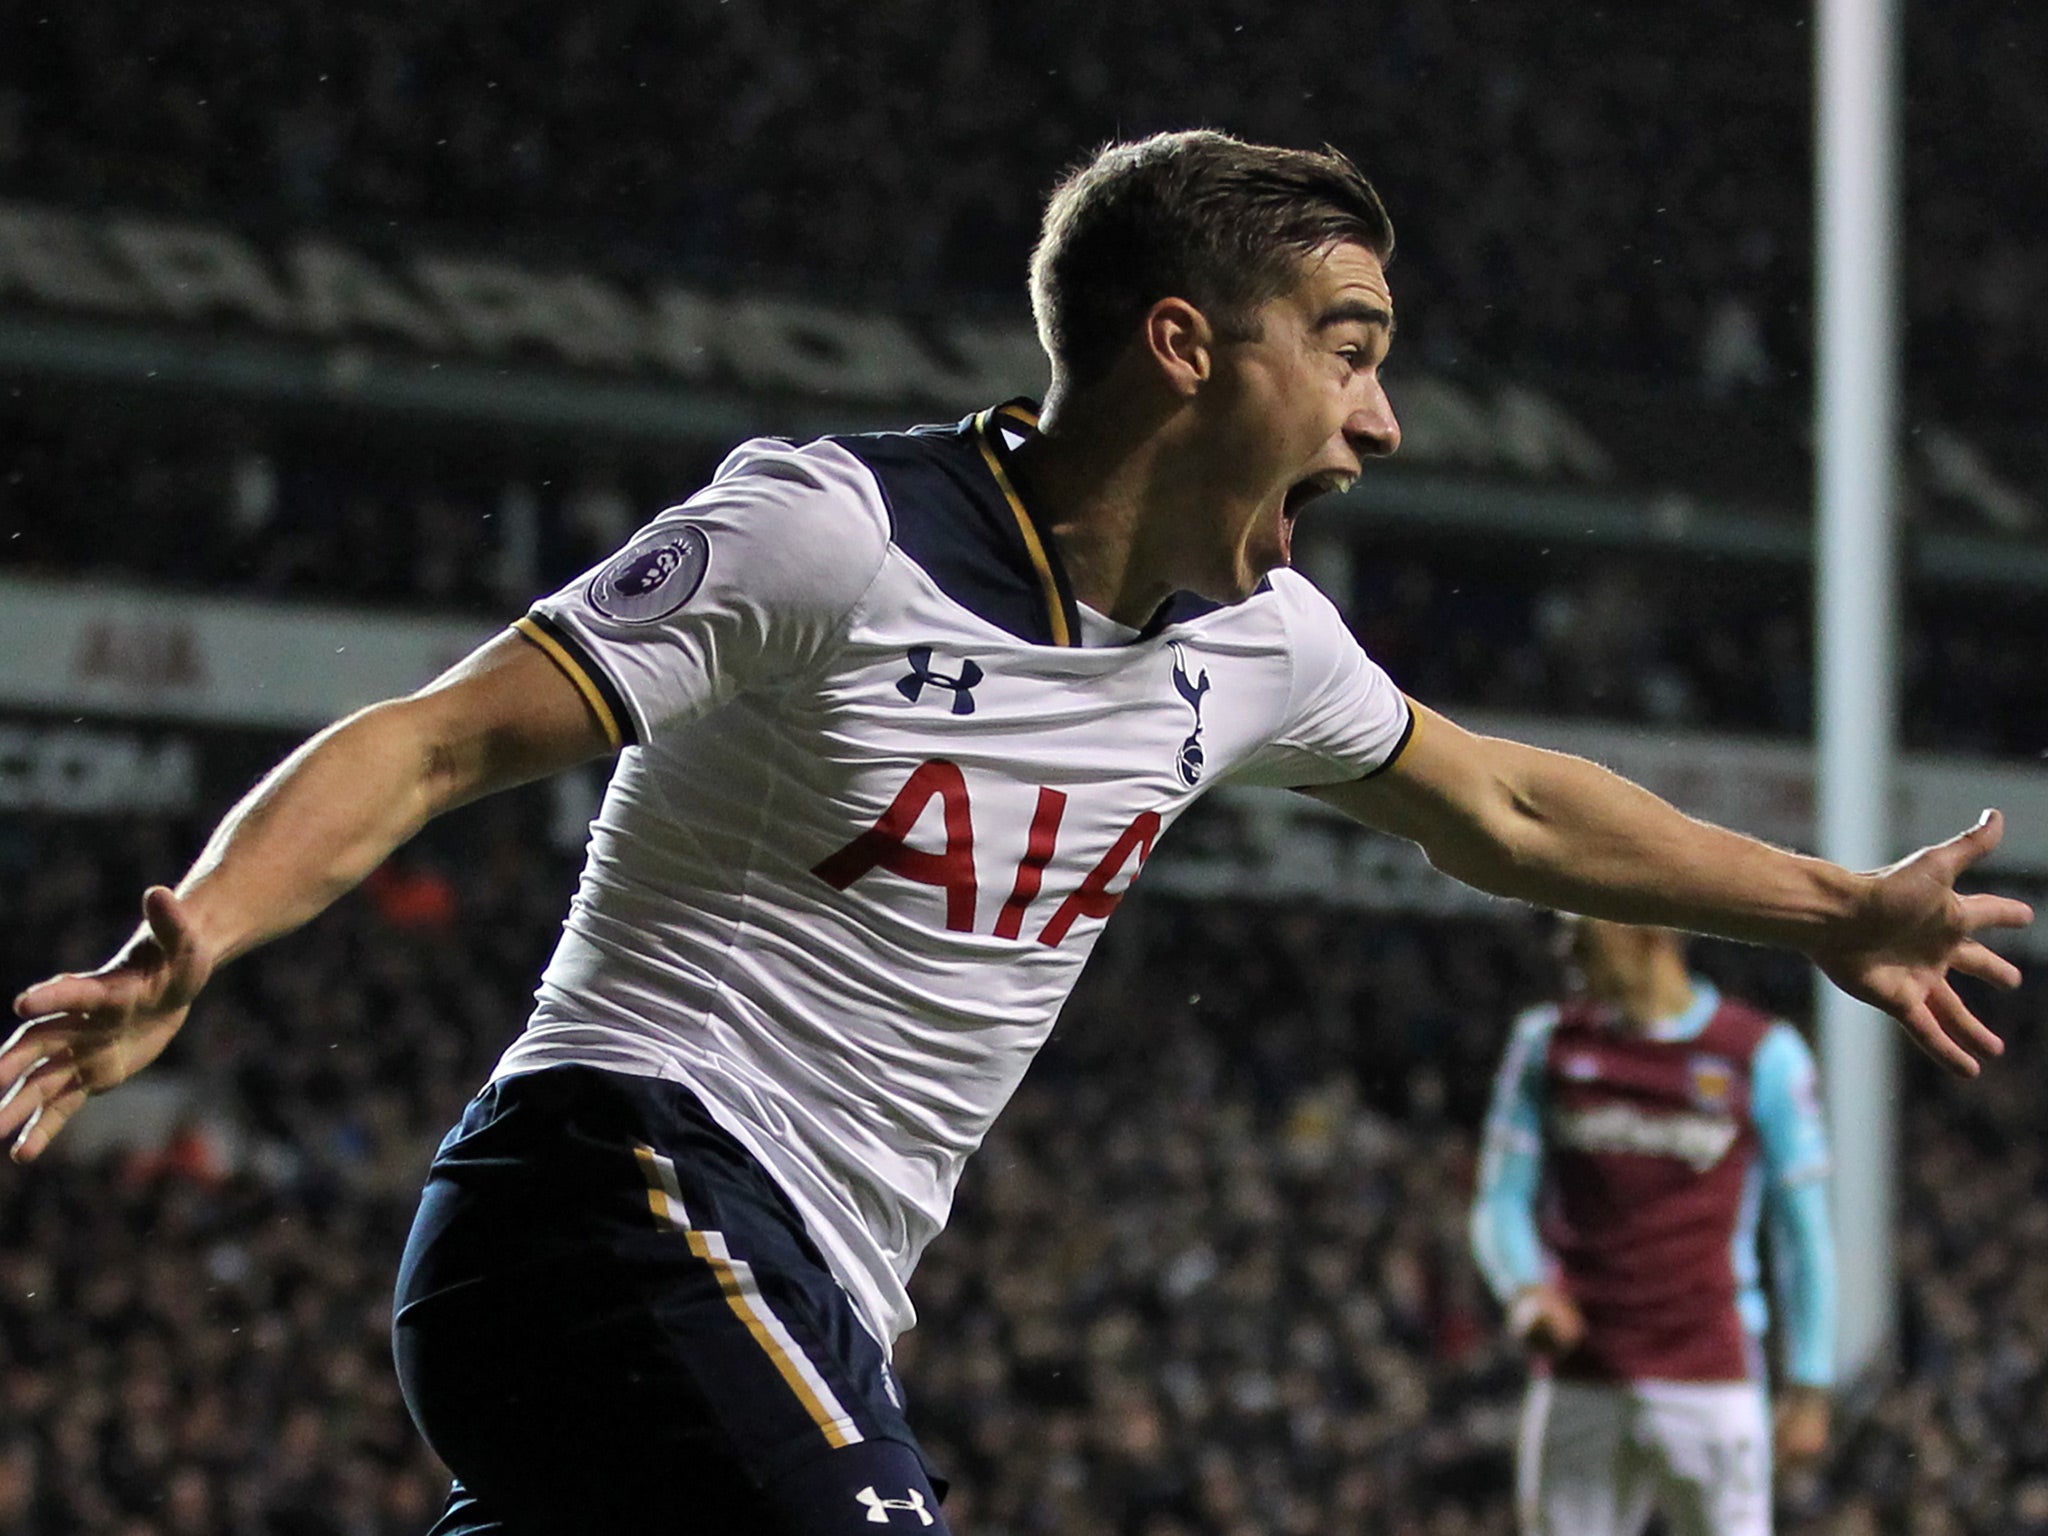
[211, 506]
[1207, 1278]
[1594, 188]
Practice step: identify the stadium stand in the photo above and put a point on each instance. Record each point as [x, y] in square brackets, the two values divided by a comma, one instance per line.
[1622, 192]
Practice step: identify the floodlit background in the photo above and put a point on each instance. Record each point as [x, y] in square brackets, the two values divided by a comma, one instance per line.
[331, 334]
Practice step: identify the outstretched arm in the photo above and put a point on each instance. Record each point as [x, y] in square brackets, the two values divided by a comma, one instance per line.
[1563, 832]
[315, 826]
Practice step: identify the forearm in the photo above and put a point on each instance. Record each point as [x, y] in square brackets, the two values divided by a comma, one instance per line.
[1803, 1274]
[336, 808]
[1505, 1242]
[1559, 831]
[318, 823]
[314, 827]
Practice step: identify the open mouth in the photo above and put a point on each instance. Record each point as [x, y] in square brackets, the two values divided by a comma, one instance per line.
[1300, 494]
[1304, 491]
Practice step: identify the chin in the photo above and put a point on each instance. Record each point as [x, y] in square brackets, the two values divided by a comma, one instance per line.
[1241, 571]
[1257, 565]
[1247, 579]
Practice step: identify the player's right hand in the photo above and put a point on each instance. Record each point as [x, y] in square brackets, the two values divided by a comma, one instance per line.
[1545, 1321]
[85, 1033]
[1800, 1424]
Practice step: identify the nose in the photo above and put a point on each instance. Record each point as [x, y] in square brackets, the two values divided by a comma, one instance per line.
[1372, 430]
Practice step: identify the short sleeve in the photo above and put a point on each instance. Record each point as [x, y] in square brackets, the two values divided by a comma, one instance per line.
[1344, 718]
[744, 586]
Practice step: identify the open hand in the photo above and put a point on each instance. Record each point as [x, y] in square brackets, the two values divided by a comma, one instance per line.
[1912, 931]
[86, 1033]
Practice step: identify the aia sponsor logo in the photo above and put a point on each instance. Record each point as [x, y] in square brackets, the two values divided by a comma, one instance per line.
[886, 847]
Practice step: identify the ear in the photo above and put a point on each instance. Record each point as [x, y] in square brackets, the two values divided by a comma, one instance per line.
[1181, 344]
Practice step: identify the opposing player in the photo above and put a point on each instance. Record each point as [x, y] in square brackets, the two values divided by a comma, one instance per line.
[898, 719]
[1637, 1134]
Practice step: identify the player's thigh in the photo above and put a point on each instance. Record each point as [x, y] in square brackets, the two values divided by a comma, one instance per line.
[548, 1396]
[609, 1320]
[1713, 1445]
[608, 1433]
[1577, 1470]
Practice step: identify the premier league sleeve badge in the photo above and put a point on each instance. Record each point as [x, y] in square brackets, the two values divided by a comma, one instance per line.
[653, 576]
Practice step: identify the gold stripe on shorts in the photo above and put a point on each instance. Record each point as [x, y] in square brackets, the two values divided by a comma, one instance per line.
[743, 1294]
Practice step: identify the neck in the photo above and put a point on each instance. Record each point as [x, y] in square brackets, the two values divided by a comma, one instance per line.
[1662, 992]
[1105, 476]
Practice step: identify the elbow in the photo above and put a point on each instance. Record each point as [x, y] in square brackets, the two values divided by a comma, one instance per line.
[1485, 1249]
[1514, 842]
[427, 771]
[1499, 854]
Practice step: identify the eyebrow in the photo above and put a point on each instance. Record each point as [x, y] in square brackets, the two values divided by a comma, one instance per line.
[1358, 311]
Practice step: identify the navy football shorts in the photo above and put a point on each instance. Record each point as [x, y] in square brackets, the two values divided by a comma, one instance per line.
[610, 1321]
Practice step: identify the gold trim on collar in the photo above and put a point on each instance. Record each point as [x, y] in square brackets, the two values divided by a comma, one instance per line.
[1040, 561]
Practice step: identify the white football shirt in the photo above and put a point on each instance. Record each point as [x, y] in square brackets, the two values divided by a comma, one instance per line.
[876, 800]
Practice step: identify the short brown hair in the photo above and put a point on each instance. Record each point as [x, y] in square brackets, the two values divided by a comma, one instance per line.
[1197, 215]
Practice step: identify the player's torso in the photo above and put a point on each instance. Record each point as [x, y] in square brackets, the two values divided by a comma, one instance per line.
[958, 780]
[884, 871]
[1650, 1147]
[960, 783]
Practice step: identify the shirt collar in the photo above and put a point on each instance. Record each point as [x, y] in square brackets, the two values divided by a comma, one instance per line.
[1691, 1021]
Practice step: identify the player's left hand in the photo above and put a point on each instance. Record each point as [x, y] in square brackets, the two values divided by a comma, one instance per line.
[1803, 1416]
[1914, 929]
[86, 1033]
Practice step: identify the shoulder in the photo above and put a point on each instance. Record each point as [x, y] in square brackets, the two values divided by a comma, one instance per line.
[1290, 607]
[1518, 1091]
[941, 487]
[954, 512]
[1783, 1056]
[1533, 1027]
[790, 520]
[1785, 1103]
[819, 481]
[1741, 1029]
[1303, 607]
